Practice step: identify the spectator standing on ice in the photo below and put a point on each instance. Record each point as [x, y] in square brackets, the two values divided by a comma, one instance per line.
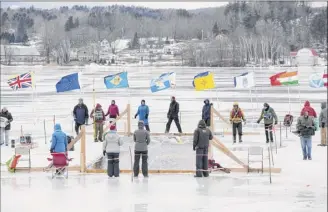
[112, 111]
[270, 118]
[81, 115]
[141, 138]
[58, 140]
[99, 117]
[111, 147]
[306, 128]
[6, 128]
[323, 124]
[143, 113]
[206, 112]
[201, 141]
[236, 118]
[307, 107]
[173, 114]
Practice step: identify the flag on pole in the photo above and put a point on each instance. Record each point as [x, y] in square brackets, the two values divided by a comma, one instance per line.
[171, 77]
[246, 80]
[119, 80]
[160, 83]
[68, 83]
[317, 80]
[204, 81]
[21, 81]
[284, 78]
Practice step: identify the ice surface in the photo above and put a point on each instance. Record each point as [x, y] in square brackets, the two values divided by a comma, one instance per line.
[300, 187]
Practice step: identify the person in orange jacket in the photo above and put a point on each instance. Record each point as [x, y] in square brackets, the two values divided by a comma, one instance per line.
[236, 118]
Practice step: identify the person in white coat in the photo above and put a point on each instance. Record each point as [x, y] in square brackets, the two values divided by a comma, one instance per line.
[111, 147]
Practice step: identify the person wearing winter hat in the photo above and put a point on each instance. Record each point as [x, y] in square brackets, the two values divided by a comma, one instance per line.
[143, 113]
[236, 118]
[270, 118]
[111, 148]
[173, 114]
[141, 138]
[112, 111]
[8, 118]
[305, 126]
[99, 117]
[81, 115]
[206, 112]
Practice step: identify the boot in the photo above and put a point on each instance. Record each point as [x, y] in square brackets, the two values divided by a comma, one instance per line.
[240, 140]
[234, 139]
[96, 140]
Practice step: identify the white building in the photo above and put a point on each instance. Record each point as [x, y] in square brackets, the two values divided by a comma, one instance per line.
[306, 57]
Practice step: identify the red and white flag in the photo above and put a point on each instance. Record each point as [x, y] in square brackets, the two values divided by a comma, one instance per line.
[325, 79]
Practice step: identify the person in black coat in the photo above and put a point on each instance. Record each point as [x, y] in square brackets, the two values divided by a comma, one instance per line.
[5, 130]
[206, 112]
[173, 114]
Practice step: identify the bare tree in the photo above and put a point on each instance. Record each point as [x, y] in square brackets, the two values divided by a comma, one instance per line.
[9, 51]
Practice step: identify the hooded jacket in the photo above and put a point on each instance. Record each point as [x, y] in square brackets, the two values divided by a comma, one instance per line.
[59, 140]
[113, 110]
[8, 116]
[81, 113]
[268, 114]
[99, 114]
[173, 110]
[112, 142]
[237, 116]
[202, 135]
[306, 126]
[323, 113]
[141, 138]
[206, 112]
[307, 107]
[143, 113]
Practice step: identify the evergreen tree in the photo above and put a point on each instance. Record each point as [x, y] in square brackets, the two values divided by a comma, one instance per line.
[215, 29]
[76, 23]
[21, 32]
[135, 42]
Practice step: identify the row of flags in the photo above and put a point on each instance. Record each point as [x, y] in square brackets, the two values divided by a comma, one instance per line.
[202, 81]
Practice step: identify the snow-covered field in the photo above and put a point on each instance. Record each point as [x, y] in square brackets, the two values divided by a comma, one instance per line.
[301, 186]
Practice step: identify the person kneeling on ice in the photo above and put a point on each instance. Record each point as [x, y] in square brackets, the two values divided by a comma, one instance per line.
[201, 141]
[141, 138]
[236, 118]
[99, 117]
[213, 165]
[59, 142]
[143, 113]
[306, 128]
[268, 114]
[111, 147]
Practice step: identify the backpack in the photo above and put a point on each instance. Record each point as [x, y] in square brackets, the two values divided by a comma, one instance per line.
[99, 115]
[288, 120]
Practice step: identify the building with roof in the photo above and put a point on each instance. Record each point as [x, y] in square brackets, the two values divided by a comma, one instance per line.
[18, 54]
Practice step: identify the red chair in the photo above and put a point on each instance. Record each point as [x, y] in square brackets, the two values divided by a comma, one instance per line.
[60, 162]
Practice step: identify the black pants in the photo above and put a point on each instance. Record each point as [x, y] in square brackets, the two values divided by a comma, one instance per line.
[202, 162]
[177, 123]
[77, 127]
[268, 129]
[237, 127]
[147, 127]
[113, 167]
[144, 167]
[208, 122]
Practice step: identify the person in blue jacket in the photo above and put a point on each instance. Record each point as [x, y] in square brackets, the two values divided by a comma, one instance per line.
[206, 112]
[143, 112]
[58, 141]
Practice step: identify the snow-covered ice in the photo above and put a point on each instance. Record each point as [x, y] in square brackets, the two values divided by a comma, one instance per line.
[301, 186]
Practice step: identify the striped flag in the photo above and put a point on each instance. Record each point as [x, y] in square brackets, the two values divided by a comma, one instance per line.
[284, 78]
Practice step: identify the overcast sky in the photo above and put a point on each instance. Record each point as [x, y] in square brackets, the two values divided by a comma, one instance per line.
[154, 5]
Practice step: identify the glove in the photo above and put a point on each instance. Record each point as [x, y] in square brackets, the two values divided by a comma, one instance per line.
[275, 123]
[322, 125]
[51, 150]
[104, 153]
[194, 148]
[258, 121]
[146, 116]
[135, 116]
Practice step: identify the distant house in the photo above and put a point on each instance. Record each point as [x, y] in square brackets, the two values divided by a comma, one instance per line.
[306, 57]
[105, 45]
[18, 54]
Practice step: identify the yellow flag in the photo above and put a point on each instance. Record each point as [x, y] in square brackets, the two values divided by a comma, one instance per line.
[204, 82]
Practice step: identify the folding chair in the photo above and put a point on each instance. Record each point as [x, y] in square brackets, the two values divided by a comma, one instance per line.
[25, 153]
[255, 151]
[60, 163]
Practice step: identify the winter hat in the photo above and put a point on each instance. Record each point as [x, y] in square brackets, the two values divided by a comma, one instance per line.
[173, 97]
[266, 105]
[4, 109]
[235, 104]
[80, 100]
[98, 105]
[143, 101]
[113, 102]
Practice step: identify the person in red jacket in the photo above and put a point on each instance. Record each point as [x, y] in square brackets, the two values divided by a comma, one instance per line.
[308, 108]
[99, 116]
[113, 111]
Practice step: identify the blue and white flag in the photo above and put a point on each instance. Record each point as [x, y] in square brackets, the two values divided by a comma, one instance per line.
[246, 80]
[119, 80]
[316, 80]
[68, 83]
[170, 76]
[162, 83]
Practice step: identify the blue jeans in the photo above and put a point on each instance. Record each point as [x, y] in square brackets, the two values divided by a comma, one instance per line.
[306, 144]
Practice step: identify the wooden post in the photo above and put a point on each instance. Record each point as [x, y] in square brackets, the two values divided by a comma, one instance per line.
[83, 156]
[129, 119]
